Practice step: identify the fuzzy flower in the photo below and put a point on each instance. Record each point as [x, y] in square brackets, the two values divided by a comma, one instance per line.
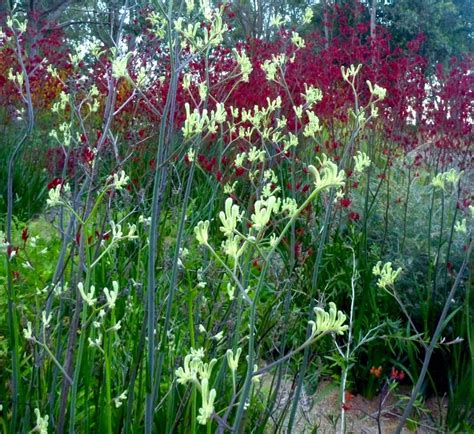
[202, 87]
[119, 399]
[95, 343]
[111, 295]
[118, 235]
[362, 162]
[119, 180]
[438, 181]
[268, 190]
[308, 15]
[189, 6]
[352, 71]
[312, 95]
[41, 423]
[297, 40]
[116, 327]
[453, 176]
[28, 332]
[332, 321]
[231, 247]
[186, 81]
[291, 141]
[229, 217]
[54, 195]
[205, 369]
[270, 68]
[191, 155]
[290, 206]
[119, 66]
[87, 297]
[46, 319]
[461, 226]
[276, 20]
[199, 353]
[146, 221]
[255, 155]
[239, 159]
[256, 378]
[376, 90]
[208, 397]
[263, 212]
[233, 359]
[313, 125]
[218, 336]
[328, 176]
[189, 370]
[244, 64]
[230, 291]
[202, 232]
[116, 230]
[298, 111]
[387, 275]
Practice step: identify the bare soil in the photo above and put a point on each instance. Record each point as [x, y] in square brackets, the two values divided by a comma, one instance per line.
[320, 412]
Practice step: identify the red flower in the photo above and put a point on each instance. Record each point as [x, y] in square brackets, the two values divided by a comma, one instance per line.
[397, 375]
[354, 216]
[54, 183]
[346, 202]
[346, 407]
[102, 236]
[376, 372]
[88, 155]
[25, 234]
[256, 264]
[12, 251]
[300, 231]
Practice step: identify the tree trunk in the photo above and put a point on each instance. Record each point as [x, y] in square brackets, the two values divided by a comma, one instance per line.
[325, 24]
[373, 9]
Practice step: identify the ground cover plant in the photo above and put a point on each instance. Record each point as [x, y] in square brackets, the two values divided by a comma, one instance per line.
[198, 229]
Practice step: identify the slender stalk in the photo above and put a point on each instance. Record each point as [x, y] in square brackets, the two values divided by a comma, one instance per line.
[347, 354]
[438, 251]
[12, 314]
[159, 186]
[108, 387]
[405, 213]
[387, 208]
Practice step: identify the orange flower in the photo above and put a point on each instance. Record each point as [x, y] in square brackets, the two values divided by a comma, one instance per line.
[376, 372]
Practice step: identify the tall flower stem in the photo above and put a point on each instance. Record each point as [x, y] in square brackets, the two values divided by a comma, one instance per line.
[12, 313]
[253, 311]
[159, 187]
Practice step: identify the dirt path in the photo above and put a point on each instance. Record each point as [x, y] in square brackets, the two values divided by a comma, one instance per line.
[319, 413]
